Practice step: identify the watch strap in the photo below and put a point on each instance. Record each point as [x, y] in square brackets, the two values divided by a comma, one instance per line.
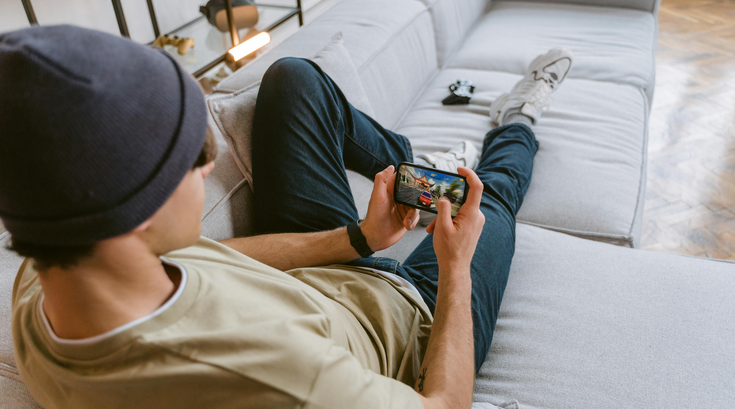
[357, 239]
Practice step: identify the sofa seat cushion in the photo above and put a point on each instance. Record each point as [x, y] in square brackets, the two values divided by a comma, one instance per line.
[609, 44]
[589, 172]
[589, 325]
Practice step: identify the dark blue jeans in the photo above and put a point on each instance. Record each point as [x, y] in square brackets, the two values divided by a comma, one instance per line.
[305, 134]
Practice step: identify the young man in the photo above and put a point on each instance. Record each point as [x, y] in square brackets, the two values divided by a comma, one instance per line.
[121, 304]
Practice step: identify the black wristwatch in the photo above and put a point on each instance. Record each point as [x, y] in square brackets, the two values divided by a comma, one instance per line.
[357, 239]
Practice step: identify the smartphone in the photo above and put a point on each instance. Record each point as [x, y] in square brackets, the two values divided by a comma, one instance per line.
[421, 187]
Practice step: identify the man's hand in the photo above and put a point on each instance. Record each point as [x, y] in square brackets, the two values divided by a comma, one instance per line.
[455, 239]
[386, 222]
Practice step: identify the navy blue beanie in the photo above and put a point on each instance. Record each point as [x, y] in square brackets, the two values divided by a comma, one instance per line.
[96, 133]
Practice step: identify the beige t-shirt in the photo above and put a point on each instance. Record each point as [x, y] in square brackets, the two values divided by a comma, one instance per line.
[237, 334]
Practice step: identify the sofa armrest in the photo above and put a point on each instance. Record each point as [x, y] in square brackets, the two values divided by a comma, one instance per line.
[644, 5]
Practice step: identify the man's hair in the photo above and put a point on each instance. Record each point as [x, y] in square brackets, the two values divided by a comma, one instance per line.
[47, 256]
[209, 150]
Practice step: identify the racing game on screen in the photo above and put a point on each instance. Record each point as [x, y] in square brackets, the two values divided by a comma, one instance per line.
[423, 188]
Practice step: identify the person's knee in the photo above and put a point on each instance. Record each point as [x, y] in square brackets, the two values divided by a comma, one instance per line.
[287, 75]
[500, 202]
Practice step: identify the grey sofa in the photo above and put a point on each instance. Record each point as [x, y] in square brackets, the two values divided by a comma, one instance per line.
[587, 320]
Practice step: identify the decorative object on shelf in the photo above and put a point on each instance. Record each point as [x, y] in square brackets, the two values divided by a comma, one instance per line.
[244, 14]
[183, 44]
[220, 75]
[462, 91]
[209, 82]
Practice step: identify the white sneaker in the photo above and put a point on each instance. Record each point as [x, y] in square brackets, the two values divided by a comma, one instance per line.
[463, 154]
[532, 94]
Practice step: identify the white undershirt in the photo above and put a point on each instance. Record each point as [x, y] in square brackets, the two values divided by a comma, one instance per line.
[124, 327]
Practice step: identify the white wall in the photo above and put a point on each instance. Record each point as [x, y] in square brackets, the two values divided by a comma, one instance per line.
[97, 14]
[12, 15]
[174, 13]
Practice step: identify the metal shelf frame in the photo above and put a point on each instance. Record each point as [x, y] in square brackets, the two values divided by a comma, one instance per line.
[120, 15]
[234, 35]
[154, 19]
[29, 12]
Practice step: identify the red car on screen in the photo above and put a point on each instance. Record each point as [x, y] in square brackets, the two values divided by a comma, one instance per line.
[425, 199]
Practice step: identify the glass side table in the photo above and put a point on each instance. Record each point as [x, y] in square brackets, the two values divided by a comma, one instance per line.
[210, 45]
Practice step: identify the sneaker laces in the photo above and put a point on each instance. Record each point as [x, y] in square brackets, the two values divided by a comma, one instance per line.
[539, 95]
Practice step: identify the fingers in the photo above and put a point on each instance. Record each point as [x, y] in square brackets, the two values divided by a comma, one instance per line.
[409, 216]
[411, 219]
[385, 174]
[474, 196]
[381, 181]
[444, 217]
[390, 182]
[431, 226]
[390, 179]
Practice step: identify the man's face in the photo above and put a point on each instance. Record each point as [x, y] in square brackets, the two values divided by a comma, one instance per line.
[177, 223]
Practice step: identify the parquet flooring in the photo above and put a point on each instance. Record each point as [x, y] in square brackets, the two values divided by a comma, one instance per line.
[690, 196]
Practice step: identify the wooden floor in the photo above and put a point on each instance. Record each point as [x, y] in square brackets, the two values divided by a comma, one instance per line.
[690, 197]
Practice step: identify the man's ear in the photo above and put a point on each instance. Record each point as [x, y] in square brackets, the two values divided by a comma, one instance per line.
[206, 169]
[143, 226]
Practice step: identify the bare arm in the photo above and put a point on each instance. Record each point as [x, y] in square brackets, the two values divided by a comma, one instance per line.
[384, 224]
[294, 250]
[447, 375]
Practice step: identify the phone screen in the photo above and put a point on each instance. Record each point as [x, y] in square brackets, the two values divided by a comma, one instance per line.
[421, 187]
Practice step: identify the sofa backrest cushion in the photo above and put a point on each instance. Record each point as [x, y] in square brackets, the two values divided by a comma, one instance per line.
[391, 43]
[650, 6]
[335, 60]
[452, 20]
[397, 73]
[365, 26]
